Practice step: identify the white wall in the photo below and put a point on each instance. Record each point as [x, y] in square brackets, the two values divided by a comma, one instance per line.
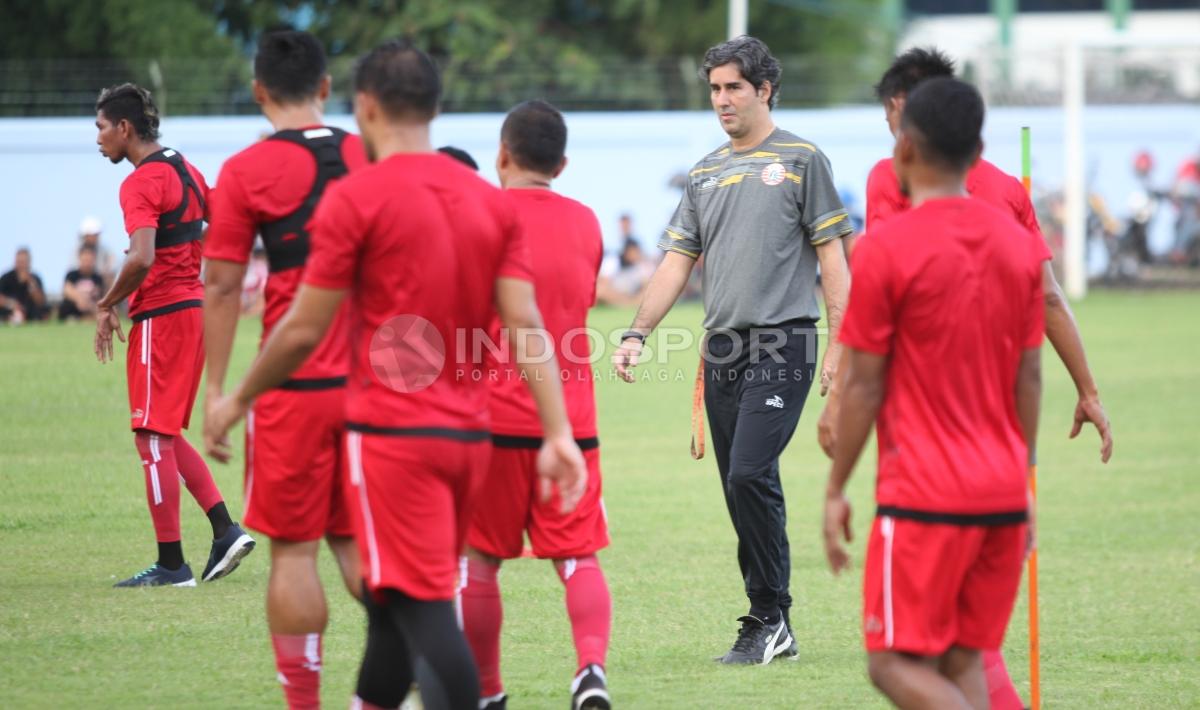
[51, 174]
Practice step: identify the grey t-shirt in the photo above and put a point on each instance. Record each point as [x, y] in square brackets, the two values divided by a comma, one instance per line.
[757, 216]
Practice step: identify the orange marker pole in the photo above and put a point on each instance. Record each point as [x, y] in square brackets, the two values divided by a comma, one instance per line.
[1035, 680]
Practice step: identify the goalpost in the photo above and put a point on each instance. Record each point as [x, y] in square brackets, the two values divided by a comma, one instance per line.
[1075, 56]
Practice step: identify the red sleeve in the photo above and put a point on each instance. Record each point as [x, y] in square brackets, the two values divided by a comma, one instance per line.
[883, 194]
[514, 261]
[141, 198]
[870, 320]
[232, 227]
[1023, 208]
[336, 241]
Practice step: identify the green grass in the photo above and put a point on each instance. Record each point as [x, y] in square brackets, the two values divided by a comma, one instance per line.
[1120, 549]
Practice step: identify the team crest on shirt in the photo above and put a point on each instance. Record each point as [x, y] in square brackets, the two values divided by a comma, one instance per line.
[137, 414]
[773, 174]
[872, 625]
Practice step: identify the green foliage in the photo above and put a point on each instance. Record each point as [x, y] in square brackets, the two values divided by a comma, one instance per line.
[608, 54]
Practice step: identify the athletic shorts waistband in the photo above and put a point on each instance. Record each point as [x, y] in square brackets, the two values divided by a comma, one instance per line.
[504, 441]
[468, 435]
[1013, 517]
[154, 313]
[313, 384]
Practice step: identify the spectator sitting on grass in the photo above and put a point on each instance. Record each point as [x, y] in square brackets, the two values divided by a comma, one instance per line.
[82, 287]
[22, 297]
[624, 275]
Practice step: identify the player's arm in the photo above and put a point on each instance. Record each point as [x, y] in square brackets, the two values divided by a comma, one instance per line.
[1029, 396]
[835, 285]
[1063, 333]
[290, 343]
[560, 461]
[138, 261]
[222, 304]
[664, 288]
[863, 395]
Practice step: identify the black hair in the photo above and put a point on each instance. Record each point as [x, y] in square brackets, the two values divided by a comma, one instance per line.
[911, 68]
[290, 65]
[24, 250]
[948, 116]
[403, 78]
[536, 135]
[88, 248]
[753, 60]
[460, 155]
[130, 102]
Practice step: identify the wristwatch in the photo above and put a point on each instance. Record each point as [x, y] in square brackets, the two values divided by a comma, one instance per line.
[633, 334]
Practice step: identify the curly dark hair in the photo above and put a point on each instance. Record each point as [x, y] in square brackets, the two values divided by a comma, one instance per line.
[130, 102]
[753, 60]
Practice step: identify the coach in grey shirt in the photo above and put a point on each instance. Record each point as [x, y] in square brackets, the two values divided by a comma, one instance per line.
[763, 212]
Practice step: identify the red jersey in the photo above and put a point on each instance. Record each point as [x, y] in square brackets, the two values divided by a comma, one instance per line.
[565, 249]
[951, 293]
[262, 184]
[419, 239]
[150, 191]
[984, 180]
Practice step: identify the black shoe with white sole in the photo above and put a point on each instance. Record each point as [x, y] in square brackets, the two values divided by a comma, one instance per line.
[496, 702]
[589, 691]
[158, 576]
[792, 652]
[227, 553]
[758, 642]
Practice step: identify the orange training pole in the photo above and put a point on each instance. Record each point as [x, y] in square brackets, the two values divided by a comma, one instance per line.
[1035, 680]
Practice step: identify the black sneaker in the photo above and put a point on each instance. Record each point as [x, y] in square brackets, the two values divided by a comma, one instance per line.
[495, 702]
[158, 576]
[792, 652]
[589, 690]
[227, 553]
[758, 642]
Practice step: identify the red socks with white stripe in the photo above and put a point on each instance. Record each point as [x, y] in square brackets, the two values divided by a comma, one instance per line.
[298, 660]
[1002, 695]
[589, 606]
[166, 459]
[162, 483]
[482, 616]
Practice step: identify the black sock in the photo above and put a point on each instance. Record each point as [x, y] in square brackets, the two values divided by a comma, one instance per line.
[218, 515]
[170, 555]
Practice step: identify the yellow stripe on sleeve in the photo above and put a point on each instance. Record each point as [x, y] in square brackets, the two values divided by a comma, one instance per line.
[830, 222]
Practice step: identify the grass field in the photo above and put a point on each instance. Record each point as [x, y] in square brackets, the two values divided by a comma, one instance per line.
[1120, 549]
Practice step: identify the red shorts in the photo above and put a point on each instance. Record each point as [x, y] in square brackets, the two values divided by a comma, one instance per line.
[162, 368]
[295, 474]
[509, 505]
[930, 586]
[412, 500]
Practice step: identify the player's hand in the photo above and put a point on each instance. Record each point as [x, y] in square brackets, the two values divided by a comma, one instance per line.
[826, 437]
[1089, 409]
[219, 417]
[626, 358]
[560, 465]
[837, 528]
[829, 363]
[107, 323]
